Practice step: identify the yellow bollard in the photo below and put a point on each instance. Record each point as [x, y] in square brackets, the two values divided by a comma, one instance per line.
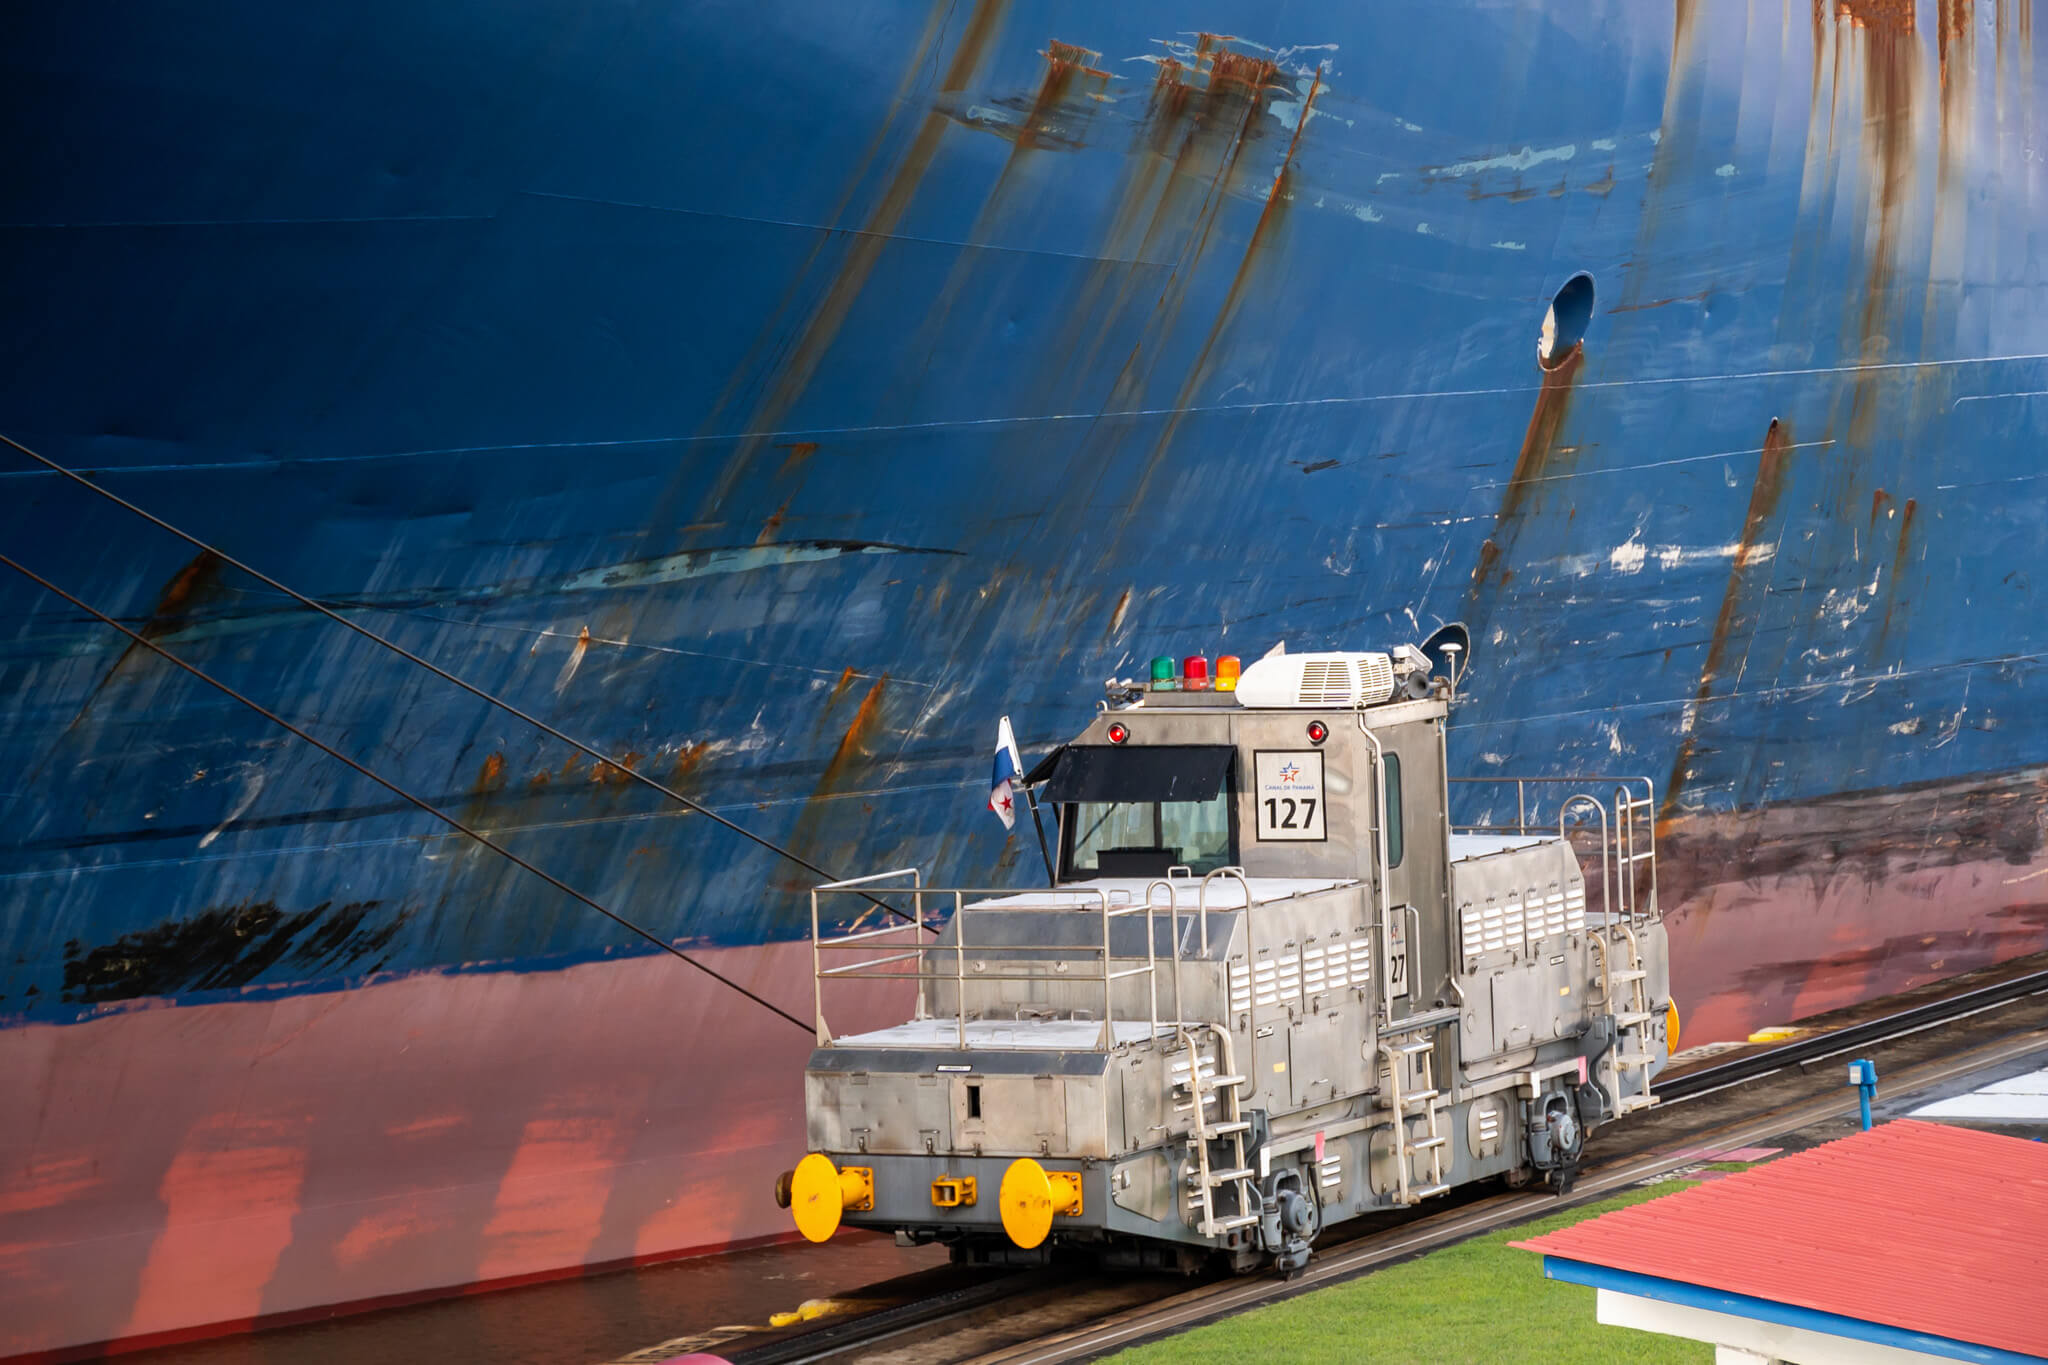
[1031, 1195]
[819, 1192]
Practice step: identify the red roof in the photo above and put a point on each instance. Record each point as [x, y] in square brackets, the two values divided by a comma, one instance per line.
[1914, 1225]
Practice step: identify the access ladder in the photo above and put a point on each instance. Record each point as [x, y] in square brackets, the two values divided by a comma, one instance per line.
[1632, 1018]
[1401, 1107]
[1198, 1084]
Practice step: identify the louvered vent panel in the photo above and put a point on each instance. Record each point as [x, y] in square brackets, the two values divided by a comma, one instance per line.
[1240, 988]
[1375, 678]
[1519, 924]
[1326, 682]
[1263, 985]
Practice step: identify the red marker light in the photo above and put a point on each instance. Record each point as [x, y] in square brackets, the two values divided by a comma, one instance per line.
[1194, 674]
[1317, 732]
[1118, 734]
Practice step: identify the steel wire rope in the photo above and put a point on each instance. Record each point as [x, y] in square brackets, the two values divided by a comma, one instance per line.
[402, 793]
[536, 722]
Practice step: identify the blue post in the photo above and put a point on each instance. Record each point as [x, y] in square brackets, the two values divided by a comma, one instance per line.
[1863, 1075]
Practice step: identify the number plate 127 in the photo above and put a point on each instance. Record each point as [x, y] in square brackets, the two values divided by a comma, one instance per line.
[1289, 789]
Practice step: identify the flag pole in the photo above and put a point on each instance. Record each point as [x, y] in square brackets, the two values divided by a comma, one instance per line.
[1006, 747]
[1031, 799]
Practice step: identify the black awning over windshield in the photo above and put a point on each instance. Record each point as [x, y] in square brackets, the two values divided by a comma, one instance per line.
[1150, 772]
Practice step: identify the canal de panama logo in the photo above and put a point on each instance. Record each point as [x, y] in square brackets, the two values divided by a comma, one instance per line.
[1290, 795]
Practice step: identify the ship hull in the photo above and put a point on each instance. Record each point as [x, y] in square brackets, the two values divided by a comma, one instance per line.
[200, 1170]
[775, 397]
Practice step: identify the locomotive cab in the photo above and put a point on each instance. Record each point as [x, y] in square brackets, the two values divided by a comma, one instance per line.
[1272, 987]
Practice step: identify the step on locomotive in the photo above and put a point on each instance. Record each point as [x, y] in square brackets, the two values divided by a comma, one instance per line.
[1271, 987]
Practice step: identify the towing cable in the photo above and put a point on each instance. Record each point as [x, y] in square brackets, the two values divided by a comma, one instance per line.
[695, 807]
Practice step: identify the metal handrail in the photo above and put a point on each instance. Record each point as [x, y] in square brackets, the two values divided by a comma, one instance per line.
[1097, 900]
[824, 1033]
[853, 967]
[1634, 832]
[1625, 800]
[1522, 784]
[1251, 949]
[1624, 856]
[1173, 933]
[1380, 873]
[1564, 812]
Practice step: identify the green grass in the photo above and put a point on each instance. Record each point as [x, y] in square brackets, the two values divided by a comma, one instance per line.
[1479, 1301]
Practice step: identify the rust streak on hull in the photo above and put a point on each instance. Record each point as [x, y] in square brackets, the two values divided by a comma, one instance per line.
[1262, 236]
[1535, 462]
[195, 584]
[1772, 468]
[851, 759]
[822, 328]
[1901, 555]
[1877, 38]
[936, 20]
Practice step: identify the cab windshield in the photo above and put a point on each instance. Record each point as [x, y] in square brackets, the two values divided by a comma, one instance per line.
[1138, 810]
[1145, 838]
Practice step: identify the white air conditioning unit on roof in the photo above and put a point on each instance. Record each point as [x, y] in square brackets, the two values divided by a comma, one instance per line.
[1323, 681]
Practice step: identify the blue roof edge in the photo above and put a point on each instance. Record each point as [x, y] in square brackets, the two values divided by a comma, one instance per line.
[1769, 1310]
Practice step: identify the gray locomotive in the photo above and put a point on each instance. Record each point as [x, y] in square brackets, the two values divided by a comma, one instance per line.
[1270, 989]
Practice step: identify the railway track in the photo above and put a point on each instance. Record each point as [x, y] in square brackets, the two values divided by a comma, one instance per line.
[1068, 1316]
[1428, 1234]
[1827, 1044]
[870, 1330]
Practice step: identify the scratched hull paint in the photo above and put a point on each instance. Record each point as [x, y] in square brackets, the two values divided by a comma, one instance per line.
[776, 395]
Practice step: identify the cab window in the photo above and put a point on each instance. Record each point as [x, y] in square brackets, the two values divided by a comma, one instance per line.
[1392, 807]
[1145, 838]
[1136, 811]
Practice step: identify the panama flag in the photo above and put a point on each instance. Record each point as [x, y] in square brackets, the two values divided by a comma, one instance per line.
[1001, 794]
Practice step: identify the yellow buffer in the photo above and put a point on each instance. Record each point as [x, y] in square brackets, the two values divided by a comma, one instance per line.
[819, 1192]
[1032, 1195]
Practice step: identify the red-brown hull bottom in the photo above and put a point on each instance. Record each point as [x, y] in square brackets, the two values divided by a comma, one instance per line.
[166, 1171]
[1801, 909]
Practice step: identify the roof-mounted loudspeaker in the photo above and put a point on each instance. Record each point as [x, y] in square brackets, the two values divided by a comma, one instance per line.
[1318, 680]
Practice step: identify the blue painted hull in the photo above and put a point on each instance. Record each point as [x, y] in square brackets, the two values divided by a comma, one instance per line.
[776, 395]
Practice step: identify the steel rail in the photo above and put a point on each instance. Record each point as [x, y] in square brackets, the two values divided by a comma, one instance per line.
[1829, 1042]
[869, 1329]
